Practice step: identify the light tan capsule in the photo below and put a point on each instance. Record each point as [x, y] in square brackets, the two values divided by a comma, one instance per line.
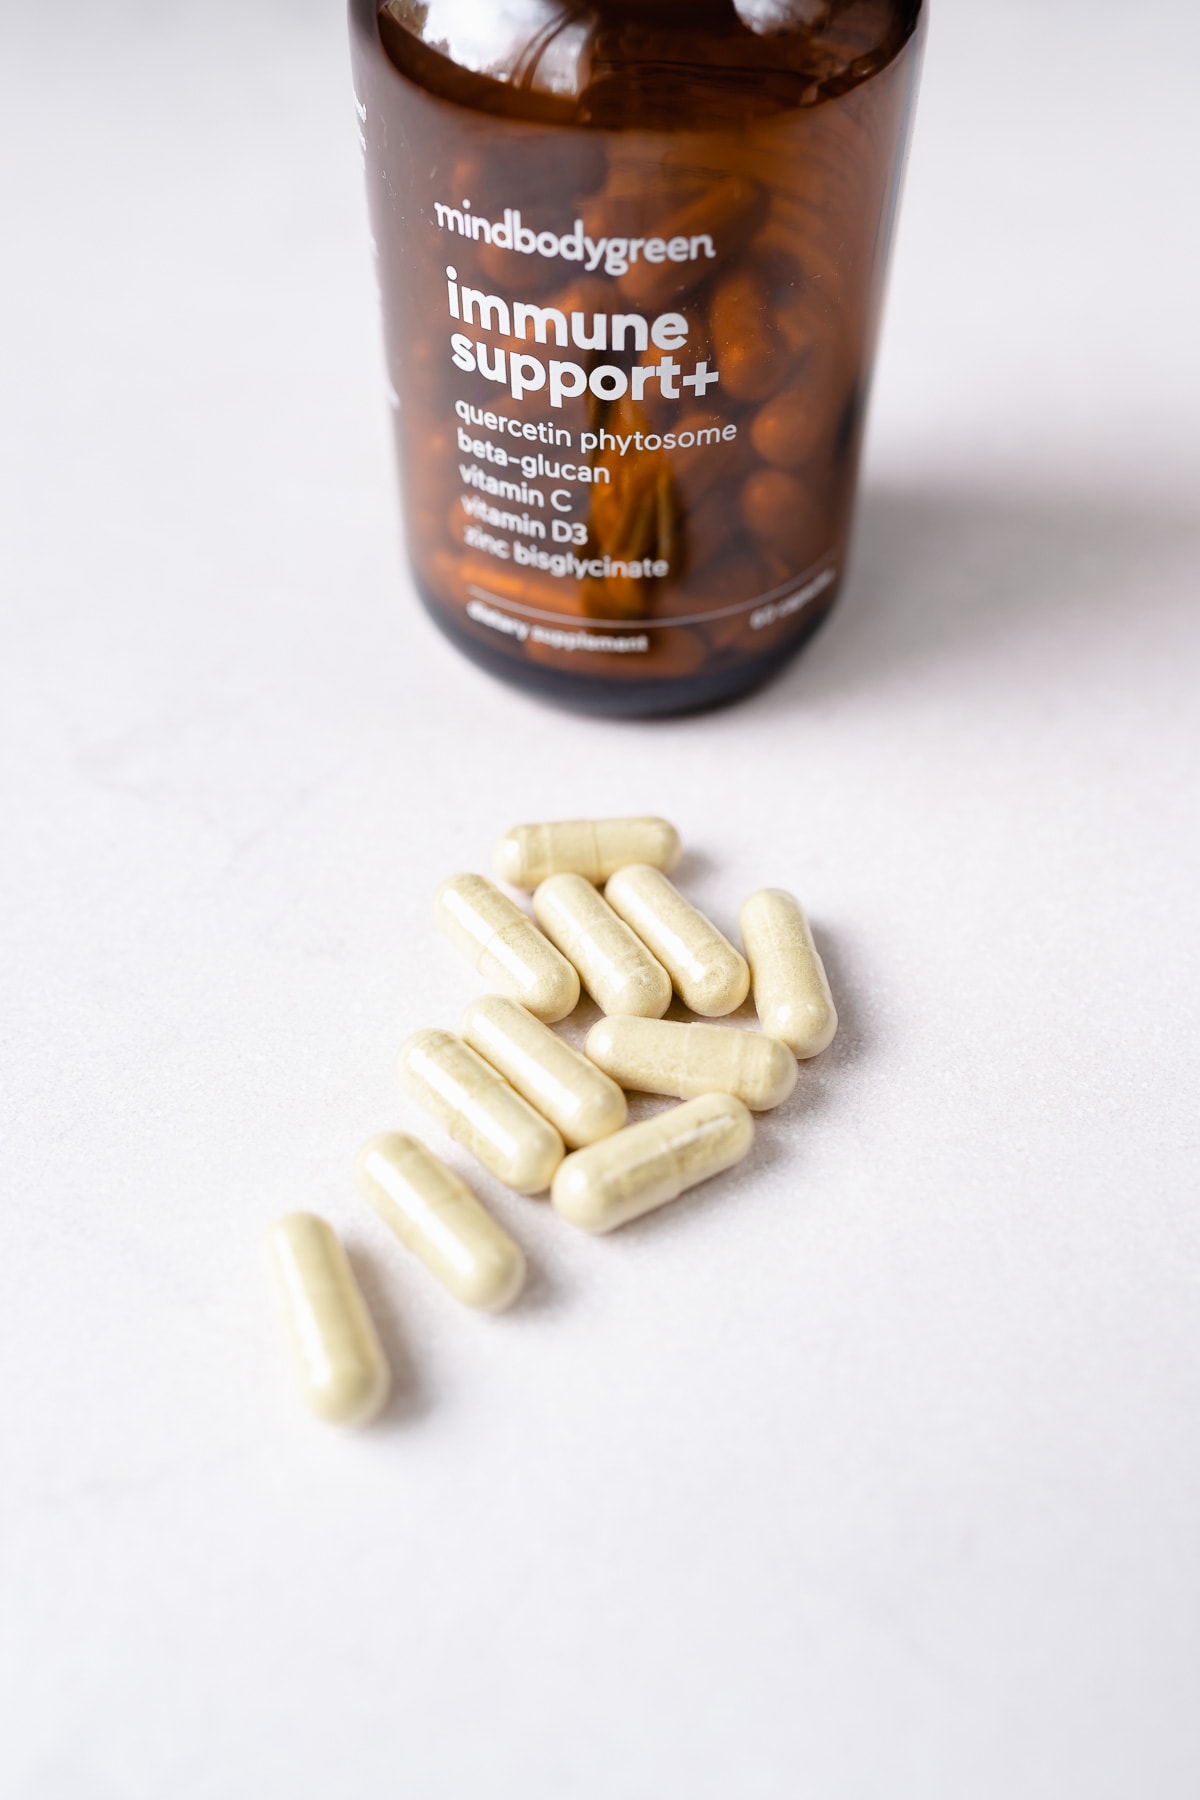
[709, 974]
[478, 1109]
[791, 991]
[659, 1056]
[646, 1165]
[505, 947]
[593, 848]
[614, 965]
[339, 1363]
[438, 1217]
[576, 1097]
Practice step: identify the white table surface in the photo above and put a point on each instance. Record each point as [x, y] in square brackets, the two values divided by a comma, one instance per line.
[870, 1472]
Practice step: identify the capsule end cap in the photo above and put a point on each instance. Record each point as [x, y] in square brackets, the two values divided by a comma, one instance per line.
[494, 1285]
[556, 996]
[574, 1196]
[352, 1400]
[508, 861]
[782, 1076]
[600, 1116]
[533, 1167]
[720, 992]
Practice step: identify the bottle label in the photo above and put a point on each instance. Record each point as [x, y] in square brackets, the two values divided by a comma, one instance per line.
[628, 370]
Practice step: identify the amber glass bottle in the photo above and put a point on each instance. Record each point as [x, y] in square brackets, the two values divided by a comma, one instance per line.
[631, 256]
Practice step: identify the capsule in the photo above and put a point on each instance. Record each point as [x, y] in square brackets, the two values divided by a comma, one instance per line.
[709, 974]
[790, 429]
[478, 1109]
[593, 848]
[753, 357]
[577, 1098]
[659, 1056]
[778, 509]
[646, 1165]
[505, 947]
[438, 1217]
[791, 991]
[339, 1363]
[728, 211]
[615, 966]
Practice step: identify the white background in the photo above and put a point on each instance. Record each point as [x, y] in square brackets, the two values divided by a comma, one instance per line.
[870, 1471]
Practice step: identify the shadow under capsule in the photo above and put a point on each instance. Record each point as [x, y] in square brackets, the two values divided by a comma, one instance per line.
[853, 1037]
[410, 1398]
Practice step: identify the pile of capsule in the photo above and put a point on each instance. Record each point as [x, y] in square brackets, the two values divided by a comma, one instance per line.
[538, 1113]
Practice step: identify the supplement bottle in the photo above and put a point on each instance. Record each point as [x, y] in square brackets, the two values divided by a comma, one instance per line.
[631, 256]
